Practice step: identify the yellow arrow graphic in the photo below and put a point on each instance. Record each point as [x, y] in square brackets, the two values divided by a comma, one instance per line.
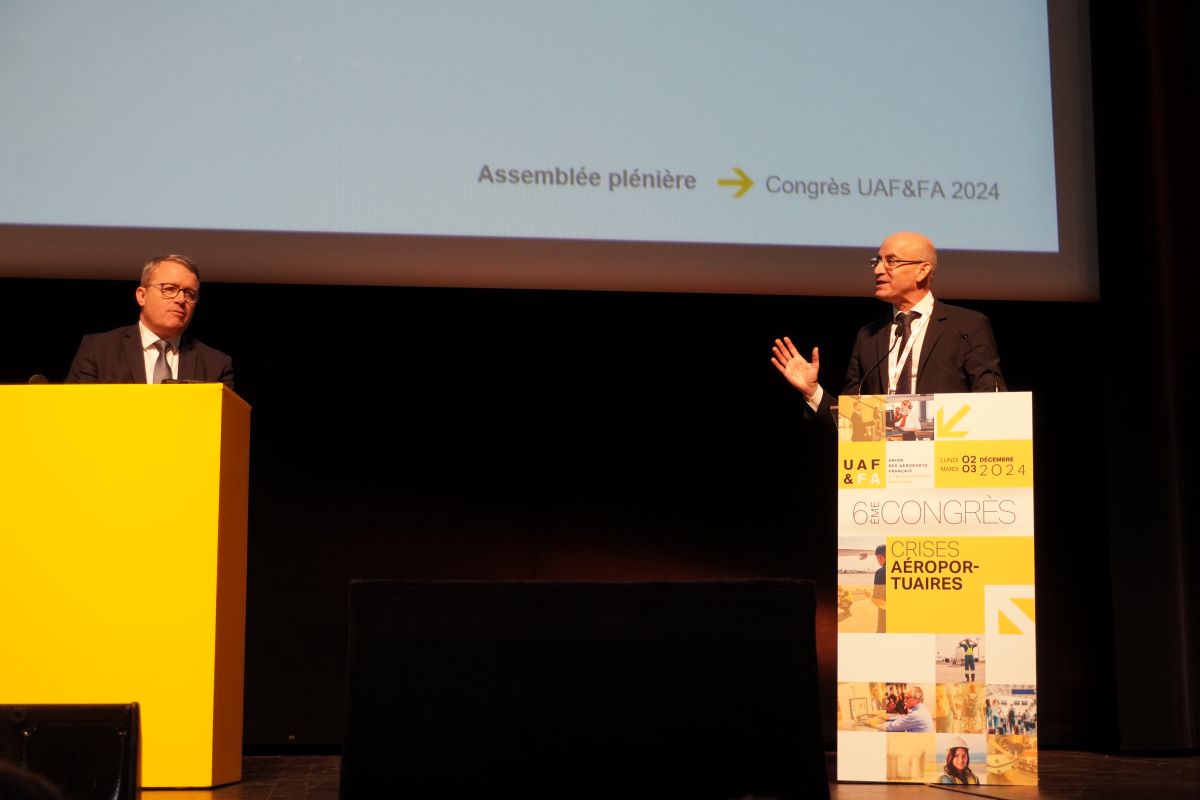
[945, 430]
[742, 180]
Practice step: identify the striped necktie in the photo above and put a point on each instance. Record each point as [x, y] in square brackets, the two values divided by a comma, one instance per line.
[904, 320]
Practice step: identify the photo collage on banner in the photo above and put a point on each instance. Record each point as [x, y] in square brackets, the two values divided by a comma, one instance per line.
[936, 619]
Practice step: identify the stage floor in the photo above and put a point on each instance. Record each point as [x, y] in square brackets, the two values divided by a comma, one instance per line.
[1064, 774]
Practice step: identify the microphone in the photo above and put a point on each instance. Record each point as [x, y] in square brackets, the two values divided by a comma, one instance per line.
[39, 379]
[895, 342]
[994, 372]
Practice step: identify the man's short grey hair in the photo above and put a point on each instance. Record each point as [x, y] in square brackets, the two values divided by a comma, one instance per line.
[154, 262]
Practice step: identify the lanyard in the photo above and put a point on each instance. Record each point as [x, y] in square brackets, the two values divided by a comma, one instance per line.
[893, 372]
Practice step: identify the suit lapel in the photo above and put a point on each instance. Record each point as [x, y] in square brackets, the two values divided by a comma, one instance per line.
[187, 360]
[134, 355]
[937, 326]
[883, 334]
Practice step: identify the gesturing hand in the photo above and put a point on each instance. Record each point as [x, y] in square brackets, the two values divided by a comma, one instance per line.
[800, 373]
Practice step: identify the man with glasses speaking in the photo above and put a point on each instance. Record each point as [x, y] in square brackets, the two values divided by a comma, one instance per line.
[155, 350]
[921, 345]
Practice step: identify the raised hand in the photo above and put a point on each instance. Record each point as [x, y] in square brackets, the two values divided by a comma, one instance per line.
[800, 372]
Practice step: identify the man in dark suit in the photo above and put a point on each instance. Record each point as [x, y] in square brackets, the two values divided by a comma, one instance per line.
[921, 345]
[154, 349]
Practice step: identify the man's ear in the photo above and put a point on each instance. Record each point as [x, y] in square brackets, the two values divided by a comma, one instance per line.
[140, 295]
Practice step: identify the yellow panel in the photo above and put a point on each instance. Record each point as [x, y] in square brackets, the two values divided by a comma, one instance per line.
[968, 464]
[231, 591]
[110, 504]
[935, 584]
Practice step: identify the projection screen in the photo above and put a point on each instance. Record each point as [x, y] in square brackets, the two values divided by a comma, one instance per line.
[672, 145]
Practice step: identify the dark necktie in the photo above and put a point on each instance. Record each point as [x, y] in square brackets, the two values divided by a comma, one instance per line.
[162, 370]
[904, 320]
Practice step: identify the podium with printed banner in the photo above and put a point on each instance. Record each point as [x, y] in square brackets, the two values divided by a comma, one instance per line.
[936, 619]
[123, 540]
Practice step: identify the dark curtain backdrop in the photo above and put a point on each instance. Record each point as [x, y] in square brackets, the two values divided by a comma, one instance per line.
[1146, 85]
[483, 434]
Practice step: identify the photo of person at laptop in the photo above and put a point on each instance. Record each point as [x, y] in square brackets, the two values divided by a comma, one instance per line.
[916, 720]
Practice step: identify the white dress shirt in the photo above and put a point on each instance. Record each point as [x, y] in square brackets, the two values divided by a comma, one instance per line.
[150, 352]
[916, 338]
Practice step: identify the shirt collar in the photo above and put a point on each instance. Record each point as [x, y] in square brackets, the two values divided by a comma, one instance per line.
[924, 307]
[149, 337]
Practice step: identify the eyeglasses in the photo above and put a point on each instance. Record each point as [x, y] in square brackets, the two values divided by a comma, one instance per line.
[891, 262]
[170, 291]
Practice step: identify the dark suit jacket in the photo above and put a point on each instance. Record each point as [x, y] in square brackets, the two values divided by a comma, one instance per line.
[957, 355]
[116, 357]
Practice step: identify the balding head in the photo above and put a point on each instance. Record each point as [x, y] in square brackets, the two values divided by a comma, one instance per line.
[917, 245]
[904, 272]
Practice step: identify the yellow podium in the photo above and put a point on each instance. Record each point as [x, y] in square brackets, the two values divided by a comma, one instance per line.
[123, 550]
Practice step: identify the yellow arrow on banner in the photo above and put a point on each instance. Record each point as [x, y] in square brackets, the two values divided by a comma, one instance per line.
[743, 180]
[945, 430]
[1011, 623]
